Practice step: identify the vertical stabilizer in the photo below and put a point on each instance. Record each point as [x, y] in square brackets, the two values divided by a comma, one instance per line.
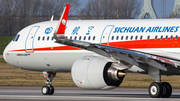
[60, 29]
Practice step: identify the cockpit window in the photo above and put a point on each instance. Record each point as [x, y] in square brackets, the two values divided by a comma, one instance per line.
[16, 37]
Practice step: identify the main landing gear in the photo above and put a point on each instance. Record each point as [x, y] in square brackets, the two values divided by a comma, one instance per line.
[158, 89]
[48, 89]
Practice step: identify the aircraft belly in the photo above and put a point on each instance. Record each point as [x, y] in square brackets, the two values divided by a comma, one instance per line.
[57, 61]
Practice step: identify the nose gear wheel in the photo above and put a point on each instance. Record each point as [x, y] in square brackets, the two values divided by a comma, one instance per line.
[48, 89]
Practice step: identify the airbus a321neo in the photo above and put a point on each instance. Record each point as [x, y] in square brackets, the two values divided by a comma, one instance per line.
[99, 53]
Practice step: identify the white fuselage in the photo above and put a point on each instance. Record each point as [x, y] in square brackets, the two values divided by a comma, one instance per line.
[35, 49]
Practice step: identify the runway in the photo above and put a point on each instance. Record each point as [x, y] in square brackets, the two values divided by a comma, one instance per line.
[73, 93]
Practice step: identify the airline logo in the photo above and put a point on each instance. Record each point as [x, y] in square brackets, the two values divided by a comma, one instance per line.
[89, 29]
[75, 30]
[159, 29]
[48, 30]
[64, 22]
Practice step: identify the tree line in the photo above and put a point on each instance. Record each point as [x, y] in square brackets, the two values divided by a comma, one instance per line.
[17, 14]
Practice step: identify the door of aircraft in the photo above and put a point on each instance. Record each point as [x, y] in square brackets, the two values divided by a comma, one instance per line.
[106, 35]
[29, 45]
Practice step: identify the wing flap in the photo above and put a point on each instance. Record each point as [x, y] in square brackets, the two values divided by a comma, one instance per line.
[123, 54]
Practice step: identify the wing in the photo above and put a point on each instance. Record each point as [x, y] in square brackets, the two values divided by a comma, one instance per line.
[127, 56]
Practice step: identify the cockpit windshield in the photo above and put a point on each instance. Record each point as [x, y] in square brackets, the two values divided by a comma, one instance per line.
[16, 38]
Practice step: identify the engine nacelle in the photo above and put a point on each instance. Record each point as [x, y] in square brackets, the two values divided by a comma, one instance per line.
[92, 72]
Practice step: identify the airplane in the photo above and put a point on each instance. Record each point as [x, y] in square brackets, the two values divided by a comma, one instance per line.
[99, 53]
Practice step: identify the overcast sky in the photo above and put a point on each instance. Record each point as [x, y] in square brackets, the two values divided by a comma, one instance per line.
[162, 7]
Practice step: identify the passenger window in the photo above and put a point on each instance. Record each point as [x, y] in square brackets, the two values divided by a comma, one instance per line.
[75, 38]
[141, 37]
[48, 38]
[52, 38]
[43, 38]
[176, 37]
[117, 38]
[89, 38]
[126, 37]
[171, 37]
[121, 37]
[166, 37]
[148, 37]
[131, 37]
[136, 37]
[156, 37]
[94, 38]
[112, 38]
[39, 38]
[161, 37]
[71, 38]
[80, 38]
[84, 37]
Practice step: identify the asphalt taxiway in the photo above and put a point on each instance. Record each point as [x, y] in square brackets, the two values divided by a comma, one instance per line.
[8, 93]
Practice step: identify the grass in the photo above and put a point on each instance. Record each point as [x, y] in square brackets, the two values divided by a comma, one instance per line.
[11, 76]
[2, 60]
[4, 42]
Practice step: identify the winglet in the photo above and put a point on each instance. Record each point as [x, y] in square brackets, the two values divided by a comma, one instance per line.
[60, 29]
[52, 18]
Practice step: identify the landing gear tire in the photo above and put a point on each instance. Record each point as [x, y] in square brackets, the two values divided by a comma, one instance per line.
[51, 90]
[48, 89]
[45, 90]
[167, 90]
[155, 90]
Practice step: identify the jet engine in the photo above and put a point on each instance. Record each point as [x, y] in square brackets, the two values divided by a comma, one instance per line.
[93, 72]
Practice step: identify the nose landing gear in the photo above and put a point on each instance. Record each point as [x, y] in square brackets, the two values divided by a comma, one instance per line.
[48, 89]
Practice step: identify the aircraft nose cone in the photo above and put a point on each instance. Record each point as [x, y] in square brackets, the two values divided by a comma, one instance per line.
[5, 53]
